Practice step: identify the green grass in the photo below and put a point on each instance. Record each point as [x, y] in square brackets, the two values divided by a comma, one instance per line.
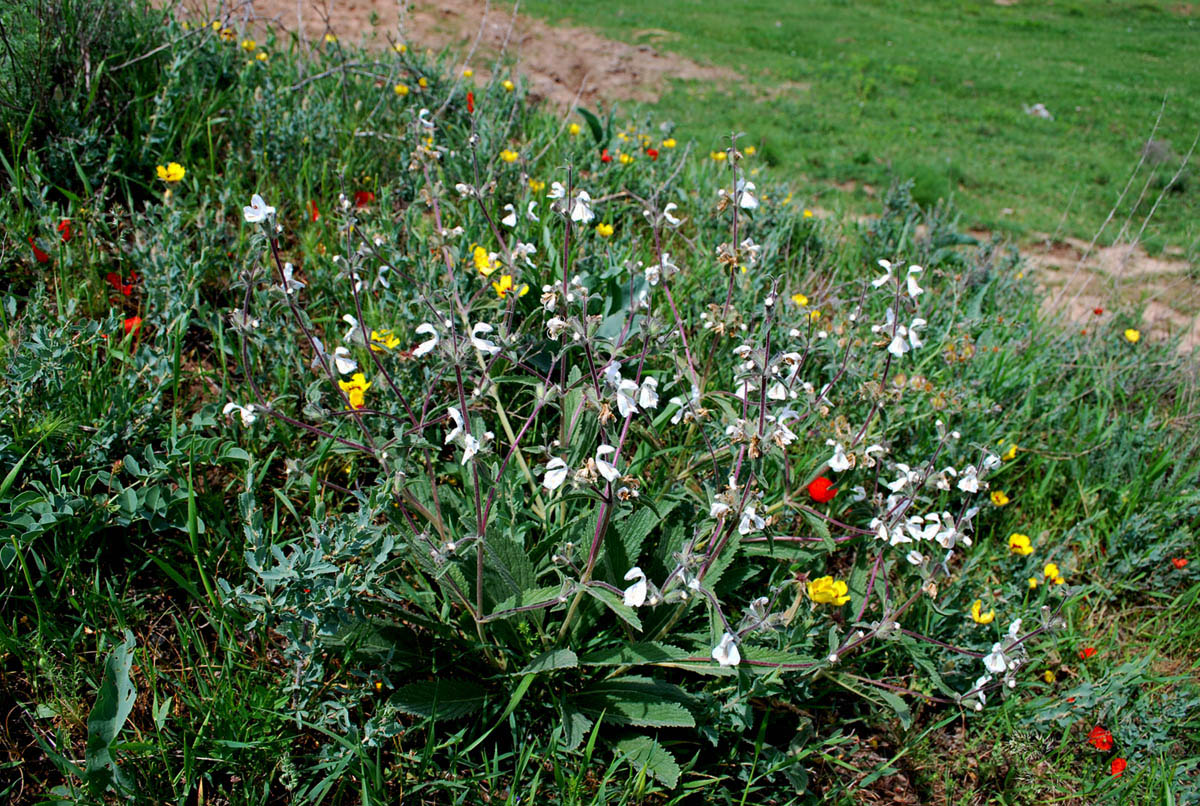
[834, 91]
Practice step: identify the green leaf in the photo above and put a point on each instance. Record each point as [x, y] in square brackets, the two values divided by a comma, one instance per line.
[637, 701]
[443, 699]
[114, 703]
[899, 706]
[610, 600]
[645, 754]
[593, 123]
[549, 661]
[645, 652]
[575, 727]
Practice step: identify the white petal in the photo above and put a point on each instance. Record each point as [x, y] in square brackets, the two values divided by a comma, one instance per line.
[635, 594]
[556, 474]
[726, 652]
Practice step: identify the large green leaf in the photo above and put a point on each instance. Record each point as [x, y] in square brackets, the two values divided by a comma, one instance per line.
[637, 701]
[648, 653]
[616, 605]
[114, 703]
[651, 757]
[551, 660]
[445, 699]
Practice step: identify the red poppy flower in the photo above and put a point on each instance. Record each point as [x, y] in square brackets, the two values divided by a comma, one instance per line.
[133, 324]
[822, 490]
[313, 212]
[1179, 562]
[1100, 739]
[64, 227]
[363, 197]
[470, 103]
[1097, 311]
[125, 289]
[652, 153]
[41, 256]
[1118, 766]
[1087, 652]
[605, 156]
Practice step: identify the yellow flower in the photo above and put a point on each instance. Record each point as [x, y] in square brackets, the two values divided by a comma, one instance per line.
[999, 498]
[468, 72]
[625, 159]
[604, 230]
[249, 45]
[356, 390]
[509, 156]
[979, 616]
[807, 213]
[1050, 571]
[749, 151]
[573, 129]
[216, 25]
[422, 82]
[505, 286]
[400, 47]
[227, 35]
[484, 261]
[1033, 583]
[828, 591]
[383, 340]
[400, 89]
[623, 137]
[261, 56]
[508, 85]
[669, 142]
[814, 315]
[718, 156]
[1011, 453]
[330, 39]
[171, 173]
[1048, 676]
[1060, 581]
[536, 186]
[800, 300]
[1019, 544]
[1132, 336]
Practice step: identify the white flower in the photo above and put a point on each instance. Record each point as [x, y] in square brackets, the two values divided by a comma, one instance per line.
[246, 412]
[887, 267]
[648, 394]
[914, 290]
[470, 448]
[423, 118]
[726, 652]
[744, 195]
[581, 210]
[996, 662]
[454, 433]
[664, 268]
[532, 216]
[750, 522]
[341, 358]
[357, 332]
[509, 220]
[555, 327]
[978, 689]
[258, 211]
[672, 220]
[635, 594]
[1014, 629]
[968, 482]
[290, 284]
[483, 345]
[838, 463]
[718, 509]
[557, 191]
[915, 557]
[464, 190]
[626, 389]
[522, 251]
[607, 469]
[426, 347]
[687, 406]
[556, 474]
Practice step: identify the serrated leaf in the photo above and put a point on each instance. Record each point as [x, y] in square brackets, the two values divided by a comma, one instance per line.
[575, 727]
[114, 703]
[639, 701]
[610, 600]
[529, 597]
[899, 706]
[445, 699]
[645, 652]
[549, 661]
[645, 754]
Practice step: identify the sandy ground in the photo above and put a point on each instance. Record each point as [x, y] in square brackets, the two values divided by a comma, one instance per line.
[571, 65]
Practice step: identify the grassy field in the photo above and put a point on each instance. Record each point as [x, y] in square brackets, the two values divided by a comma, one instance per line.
[232, 572]
[840, 91]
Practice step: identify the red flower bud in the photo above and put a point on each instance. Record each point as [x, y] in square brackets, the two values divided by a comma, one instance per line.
[1087, 652]
[652, 153]
[363, 197]
[313, 212]
[133, 324]
[1118, 766]
[1100, 739]
[41, 256]
[605, 156]
[470, 103]
[822, 490]
[64, 227]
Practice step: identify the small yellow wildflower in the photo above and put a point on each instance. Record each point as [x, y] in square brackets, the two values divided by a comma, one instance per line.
[505, 287]
[400, 47]
[261, 56]
[623, 137]
[400, 89]
[484, 261]
[356, 390]
[468, 72]
[814, 315]
[508, 85]
[1033, 583]
[977, 614]
[536, 186]
[573, 129]
[171, 173]
[1132, 336]
[1011, 453]
[800, 300]
[509, 156]
[228, 35]
[330, 39]
[625, 159]
[807, 213]
[216, 25]
[749, 151]
[1048, 676]
[999, 498]
[1050, 571]
[669, 142]
[248, 45]
[827, 590]
[718, 156]
[1020, 544]
[383, 340]
[604, 230]
[422, 82]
